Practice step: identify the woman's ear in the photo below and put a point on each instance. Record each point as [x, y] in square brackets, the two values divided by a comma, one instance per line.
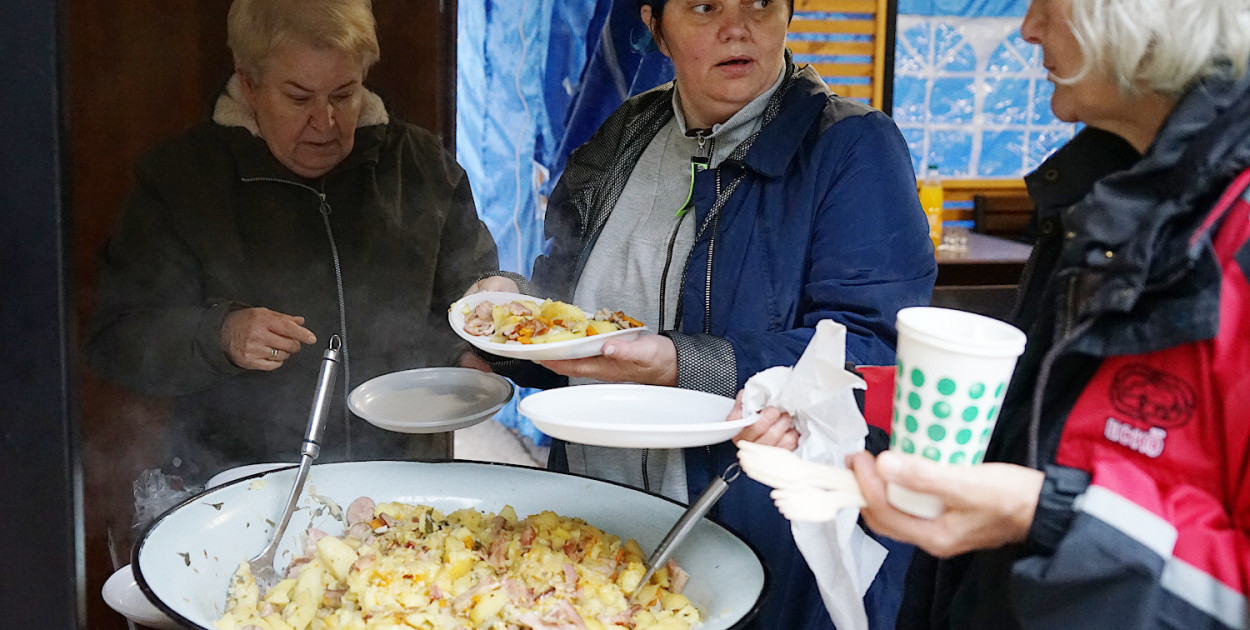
[653, 26]
[245, 80]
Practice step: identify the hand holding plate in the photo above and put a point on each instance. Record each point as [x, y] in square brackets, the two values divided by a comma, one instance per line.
[773, 428]
[649, 360]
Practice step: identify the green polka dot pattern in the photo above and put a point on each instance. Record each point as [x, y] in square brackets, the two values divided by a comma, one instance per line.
[941, 418]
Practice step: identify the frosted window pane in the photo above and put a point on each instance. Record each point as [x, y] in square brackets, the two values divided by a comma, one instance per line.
[1001, 153]
[952, 102]
[971, 95]
[952, 152]
[951, 54]
[1006, 101]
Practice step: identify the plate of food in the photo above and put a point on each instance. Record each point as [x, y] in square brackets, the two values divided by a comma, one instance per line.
[491, 546]
[521, 326]
[632, 416]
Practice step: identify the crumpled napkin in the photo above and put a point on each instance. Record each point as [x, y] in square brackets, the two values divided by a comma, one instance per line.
[818, 394]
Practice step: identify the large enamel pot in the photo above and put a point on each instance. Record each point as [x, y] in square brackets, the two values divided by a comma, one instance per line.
[185, 559]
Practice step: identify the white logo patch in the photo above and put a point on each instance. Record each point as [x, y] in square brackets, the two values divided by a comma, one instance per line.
[1147, 442]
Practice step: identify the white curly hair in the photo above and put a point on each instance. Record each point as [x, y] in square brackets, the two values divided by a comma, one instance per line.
[1161, 45]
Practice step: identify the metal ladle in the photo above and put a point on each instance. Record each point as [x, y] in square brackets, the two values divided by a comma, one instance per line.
[688, 520]
[262, 565]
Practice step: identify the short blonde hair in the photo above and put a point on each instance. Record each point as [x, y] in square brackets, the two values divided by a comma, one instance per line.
[255, 28]
[1163, 45]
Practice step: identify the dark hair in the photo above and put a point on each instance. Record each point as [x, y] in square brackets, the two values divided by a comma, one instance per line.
[657, 7]
[647, 43]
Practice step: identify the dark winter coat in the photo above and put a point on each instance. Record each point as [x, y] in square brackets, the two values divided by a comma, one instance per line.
[217, 223]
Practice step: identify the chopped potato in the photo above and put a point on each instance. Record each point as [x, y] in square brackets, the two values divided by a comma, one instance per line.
[466, 570]
[527, 322]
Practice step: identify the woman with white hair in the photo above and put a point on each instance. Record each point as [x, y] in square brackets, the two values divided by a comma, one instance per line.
[301, 210]
[1118, 496]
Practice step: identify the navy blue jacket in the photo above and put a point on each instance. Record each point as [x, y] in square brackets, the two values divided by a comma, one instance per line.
[823, 224]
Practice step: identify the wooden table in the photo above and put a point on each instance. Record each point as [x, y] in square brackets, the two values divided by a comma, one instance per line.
[988, 260]
[983, 278]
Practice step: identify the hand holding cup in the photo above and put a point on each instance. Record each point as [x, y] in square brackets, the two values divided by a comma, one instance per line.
[985, 506]
[952, 371]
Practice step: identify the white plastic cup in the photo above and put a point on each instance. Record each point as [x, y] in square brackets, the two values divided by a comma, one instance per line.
[952, 370]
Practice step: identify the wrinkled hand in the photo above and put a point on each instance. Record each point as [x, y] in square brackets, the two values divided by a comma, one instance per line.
[773, 428]
[492, 283]
[987, 506]
[250, 337]
[649, 359]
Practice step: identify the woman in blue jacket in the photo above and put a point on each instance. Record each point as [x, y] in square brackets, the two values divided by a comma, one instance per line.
[731, 210]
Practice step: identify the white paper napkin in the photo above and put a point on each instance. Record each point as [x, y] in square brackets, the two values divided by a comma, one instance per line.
[817, 392]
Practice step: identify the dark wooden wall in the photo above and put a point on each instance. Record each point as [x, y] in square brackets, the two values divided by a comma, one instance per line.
[140, 71]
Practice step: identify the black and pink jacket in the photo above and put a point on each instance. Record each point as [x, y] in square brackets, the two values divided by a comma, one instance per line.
[1133, 394]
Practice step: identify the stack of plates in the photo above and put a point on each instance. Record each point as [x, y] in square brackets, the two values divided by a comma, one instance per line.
[632, 416]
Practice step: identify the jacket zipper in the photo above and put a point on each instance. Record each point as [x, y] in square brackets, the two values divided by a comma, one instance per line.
[711, 251]
[699, 162]
[1067, 334]
[1026, 276]
[704, 155]
[324, 209]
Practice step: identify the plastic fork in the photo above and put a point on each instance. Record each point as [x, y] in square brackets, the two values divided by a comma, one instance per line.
[804, 491]
[780, 468]
[813, 504]
[261, 566]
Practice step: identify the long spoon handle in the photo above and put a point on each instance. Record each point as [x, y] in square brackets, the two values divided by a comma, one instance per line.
[262, 564]
[686, 523]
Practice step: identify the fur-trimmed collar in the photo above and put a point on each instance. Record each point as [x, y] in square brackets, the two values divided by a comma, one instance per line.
[233, 110]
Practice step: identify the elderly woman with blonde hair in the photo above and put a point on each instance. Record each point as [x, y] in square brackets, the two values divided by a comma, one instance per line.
[301, 210]
[1117, 496]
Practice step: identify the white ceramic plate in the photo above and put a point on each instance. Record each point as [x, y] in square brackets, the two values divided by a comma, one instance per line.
[430, 400]
[632, 416]
[186, 558]
[121, 592]
[571, 349]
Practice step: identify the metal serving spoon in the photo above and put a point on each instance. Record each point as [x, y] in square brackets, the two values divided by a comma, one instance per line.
[686, 523]
[262, 565]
